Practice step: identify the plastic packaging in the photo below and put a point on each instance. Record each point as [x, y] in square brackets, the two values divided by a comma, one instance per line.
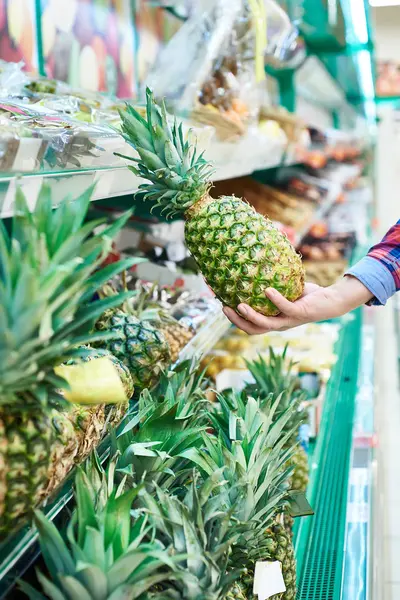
[285, 49]
[207, 70]
[36, 139]
[12, 78]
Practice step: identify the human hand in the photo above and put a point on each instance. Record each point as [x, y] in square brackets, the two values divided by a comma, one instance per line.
[316, 304]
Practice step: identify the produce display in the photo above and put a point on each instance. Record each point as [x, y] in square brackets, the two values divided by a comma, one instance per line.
[187, 474]
[149, 449]
[57, 261]
[217, 86]
[68, 376]
[309, 349]
[242, 242]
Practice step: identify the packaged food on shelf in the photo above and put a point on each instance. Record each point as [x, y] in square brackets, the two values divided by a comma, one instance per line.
[47, 125]
[35, 139]
[293, 126]
[277, 204]
[215, 83]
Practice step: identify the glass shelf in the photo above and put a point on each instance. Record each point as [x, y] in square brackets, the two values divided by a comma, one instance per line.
[253, 152]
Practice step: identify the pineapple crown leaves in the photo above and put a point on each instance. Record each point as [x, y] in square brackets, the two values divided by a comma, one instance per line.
[250, 448]
[178, 175]
[276, 377]
[200, 529]
[151, 443]
[49, 268]
[107, 557]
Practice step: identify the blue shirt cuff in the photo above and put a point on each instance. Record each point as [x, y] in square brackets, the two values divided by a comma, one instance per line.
[376, 278]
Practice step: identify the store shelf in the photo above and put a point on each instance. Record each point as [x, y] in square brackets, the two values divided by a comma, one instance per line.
[19, 551]
[253, 152]
[387, 100]
[320, 213]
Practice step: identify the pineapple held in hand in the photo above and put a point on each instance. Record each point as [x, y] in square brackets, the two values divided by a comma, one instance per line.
[239, 252]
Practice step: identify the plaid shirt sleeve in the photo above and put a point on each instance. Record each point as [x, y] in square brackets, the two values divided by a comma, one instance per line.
[379, 271]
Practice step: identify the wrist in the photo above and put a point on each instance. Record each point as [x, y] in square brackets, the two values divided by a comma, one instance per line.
[350, 293]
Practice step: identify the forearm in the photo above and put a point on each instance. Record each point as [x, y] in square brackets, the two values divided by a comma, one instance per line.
[379, 271]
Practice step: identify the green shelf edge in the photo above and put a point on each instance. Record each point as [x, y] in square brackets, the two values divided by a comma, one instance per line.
[319, 540]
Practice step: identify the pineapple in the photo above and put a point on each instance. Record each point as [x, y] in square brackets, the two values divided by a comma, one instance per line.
[199, 529]
[277, 377]
[251, 446]
[47, 278]
[64, 453]
[168, 423]
[240, 252]
[135, 342]
[89, 421]
[300, 477]
[106, 555]
[177, 336]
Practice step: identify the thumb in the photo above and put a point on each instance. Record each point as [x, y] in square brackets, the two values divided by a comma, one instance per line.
[285, 306]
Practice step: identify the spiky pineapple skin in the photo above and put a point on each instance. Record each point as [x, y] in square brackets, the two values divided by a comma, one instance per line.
[64, 451]
[288, 523]
[138, 345]
[37, 450]
[241, 253]
[277, 545]
[281, 548]
[300, 477]
[177, 337]
[25, 457]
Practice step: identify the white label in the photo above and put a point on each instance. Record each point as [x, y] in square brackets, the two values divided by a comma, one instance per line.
[268, 579]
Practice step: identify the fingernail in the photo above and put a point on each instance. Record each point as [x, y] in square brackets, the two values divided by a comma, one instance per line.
[270, 292]
[242, 309]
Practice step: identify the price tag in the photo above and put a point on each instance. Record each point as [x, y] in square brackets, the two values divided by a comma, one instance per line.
[268, 579]
[299, 505]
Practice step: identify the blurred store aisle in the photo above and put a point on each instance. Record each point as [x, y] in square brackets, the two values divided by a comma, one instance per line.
[387, 379]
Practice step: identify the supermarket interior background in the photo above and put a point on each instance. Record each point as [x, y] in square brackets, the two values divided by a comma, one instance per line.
[149, 449]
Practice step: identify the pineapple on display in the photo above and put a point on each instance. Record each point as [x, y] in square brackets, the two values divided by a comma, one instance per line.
[106, 554]
[300, 478]
[135, 342]
[48, 276]
[177, 336]
[90, 421]
[167, 423]
[276, 376]
[199, 529]
[249, 446]
[240, 252]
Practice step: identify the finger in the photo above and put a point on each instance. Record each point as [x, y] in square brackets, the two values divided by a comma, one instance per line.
[279, 323]
[241, 323]
[251, 315]
[282, 304]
